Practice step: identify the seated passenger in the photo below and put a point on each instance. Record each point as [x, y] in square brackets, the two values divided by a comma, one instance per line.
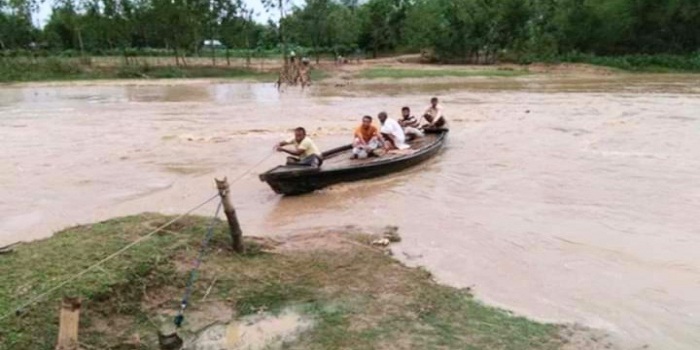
[392, 132]
[366, 139]
[433, 116]
[410, 124]
[305, 152]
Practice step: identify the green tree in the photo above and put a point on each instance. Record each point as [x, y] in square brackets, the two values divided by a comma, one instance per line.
[464, 32]
[282, 6]
[424, 21]
[16, 31]
[541, 38]
[62, 29]
[663, 26]
[382, 24]
[343, 29]
[456, 30]
[316, 19]
[324, 25]
[509, 31]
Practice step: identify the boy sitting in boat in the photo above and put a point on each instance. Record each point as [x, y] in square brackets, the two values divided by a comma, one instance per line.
[394, 137]
[304, 153]
[410, 124]
[433, 116]
[367, 139]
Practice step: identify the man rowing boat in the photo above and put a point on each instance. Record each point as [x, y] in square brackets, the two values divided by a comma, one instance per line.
[304, 153]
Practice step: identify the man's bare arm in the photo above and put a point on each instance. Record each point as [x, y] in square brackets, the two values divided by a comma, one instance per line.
[293, 152]
[438, 113]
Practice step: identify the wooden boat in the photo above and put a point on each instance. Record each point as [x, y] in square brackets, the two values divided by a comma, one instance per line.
[339, 167]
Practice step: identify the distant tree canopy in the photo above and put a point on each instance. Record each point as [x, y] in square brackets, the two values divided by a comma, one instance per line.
[454, 30]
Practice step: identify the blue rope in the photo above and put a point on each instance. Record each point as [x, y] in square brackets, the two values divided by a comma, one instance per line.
[180, 318]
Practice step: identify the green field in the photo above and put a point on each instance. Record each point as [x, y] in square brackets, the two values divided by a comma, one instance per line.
[398, 73]
[658, 63]
[56, 69]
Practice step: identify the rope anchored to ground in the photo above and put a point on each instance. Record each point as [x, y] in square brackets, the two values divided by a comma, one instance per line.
[18, 310]
[180, 318]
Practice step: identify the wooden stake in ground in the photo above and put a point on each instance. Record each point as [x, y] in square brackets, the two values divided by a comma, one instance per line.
[233, 225]
[68, 331]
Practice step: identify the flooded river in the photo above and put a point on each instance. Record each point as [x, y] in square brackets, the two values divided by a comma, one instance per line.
[571, 200]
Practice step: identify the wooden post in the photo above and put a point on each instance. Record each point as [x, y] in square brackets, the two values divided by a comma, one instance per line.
[68, 324]
[233, 225]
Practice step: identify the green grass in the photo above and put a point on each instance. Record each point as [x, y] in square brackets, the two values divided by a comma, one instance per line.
[135, 72]
[357, 296]
[53, 68]
[317, 74]
[118, 53]
[394, 73]
[658, 63]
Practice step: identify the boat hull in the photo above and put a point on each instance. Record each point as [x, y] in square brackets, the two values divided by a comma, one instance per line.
[299, 180]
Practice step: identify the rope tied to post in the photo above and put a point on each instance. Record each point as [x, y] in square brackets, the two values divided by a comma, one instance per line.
[180, 318]
[18, 310]
[228, 209]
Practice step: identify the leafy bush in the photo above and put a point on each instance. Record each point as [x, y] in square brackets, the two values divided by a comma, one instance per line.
[657, 63]
[26, 69]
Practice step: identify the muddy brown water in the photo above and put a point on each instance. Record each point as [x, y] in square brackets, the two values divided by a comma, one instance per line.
[569, 199]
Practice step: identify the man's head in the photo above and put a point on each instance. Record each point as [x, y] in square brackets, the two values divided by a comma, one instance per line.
[406, 112]
[366, 122]
[382, 117]
[434, 101]
[299, 134]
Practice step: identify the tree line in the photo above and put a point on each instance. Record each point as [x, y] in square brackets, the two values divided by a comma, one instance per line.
[445, 30]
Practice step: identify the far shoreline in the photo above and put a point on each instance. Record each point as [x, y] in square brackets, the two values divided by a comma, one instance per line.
[55, 71]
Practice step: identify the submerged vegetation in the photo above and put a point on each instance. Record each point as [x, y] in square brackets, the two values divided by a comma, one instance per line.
[437, 73]
[636, 63]
[356, 296]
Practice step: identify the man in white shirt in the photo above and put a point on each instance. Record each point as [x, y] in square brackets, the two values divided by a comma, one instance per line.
[392, 132]
[433, 116]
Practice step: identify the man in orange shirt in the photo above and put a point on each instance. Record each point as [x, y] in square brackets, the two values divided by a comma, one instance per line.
[366, 139]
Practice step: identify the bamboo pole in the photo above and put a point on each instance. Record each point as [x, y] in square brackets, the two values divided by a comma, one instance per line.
[233, 225]
[68, 324]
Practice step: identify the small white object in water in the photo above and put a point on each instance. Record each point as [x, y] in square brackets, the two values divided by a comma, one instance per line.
[382, 242]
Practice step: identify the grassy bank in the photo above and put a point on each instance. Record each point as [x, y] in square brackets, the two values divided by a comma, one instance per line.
[397, 73]
[52, 68]
[356, 295]
[659, 63]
